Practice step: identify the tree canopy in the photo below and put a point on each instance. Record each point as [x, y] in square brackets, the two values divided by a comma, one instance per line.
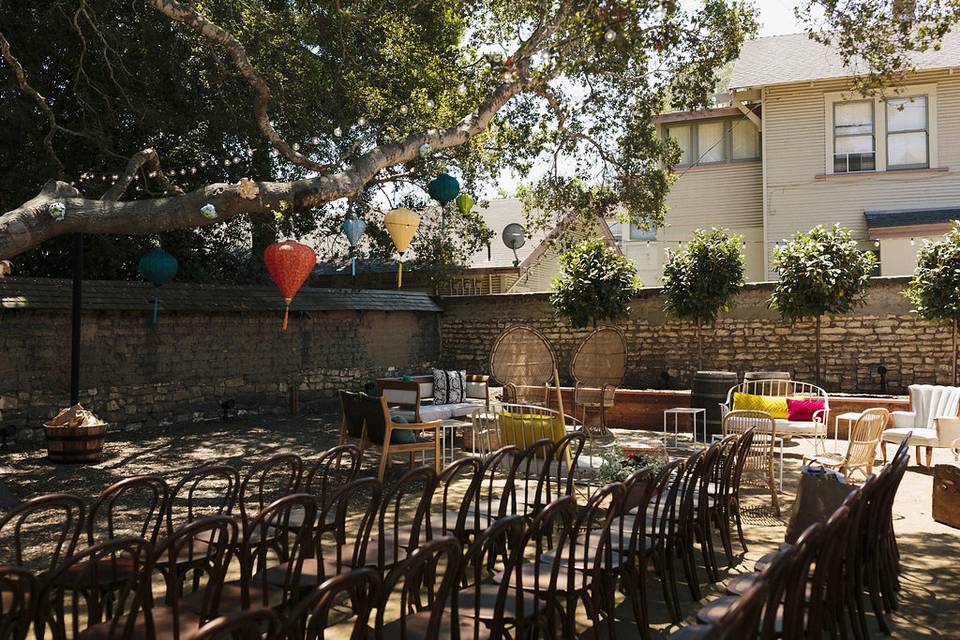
[134, 115]
[596, 284]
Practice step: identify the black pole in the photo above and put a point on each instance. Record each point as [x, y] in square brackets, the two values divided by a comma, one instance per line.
[75, 318]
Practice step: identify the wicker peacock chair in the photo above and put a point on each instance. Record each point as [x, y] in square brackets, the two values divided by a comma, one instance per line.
[525, 364]
[597, 367]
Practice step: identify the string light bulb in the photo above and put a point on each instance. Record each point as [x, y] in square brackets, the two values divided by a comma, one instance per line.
[912, 242]
[404, 109]
[610, 35]
[462, 89]
[338, 132]
[361, 121]
[236, 160]
[430, 103]
[296, 146]
[226, 162]
[314, 140]
[249, 153]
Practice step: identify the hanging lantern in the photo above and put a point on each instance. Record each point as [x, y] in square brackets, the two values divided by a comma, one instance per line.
[464, 203]
[353, 228]
[158, 267]
[289, 264]
[444, 188]
[401, 224]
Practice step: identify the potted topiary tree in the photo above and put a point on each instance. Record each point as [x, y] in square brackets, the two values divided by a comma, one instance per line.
[820, 272]
[700, 280]
[934, 289]
[596, 284]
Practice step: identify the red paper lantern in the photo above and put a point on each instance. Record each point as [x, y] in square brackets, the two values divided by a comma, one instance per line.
[289, 264]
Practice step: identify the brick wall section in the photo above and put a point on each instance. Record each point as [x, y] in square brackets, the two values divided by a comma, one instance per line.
[750, 337]
[135, 374]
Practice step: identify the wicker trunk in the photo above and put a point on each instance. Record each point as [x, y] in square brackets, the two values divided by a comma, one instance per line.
[75, 444]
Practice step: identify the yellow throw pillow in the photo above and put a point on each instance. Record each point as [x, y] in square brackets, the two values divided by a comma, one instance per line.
[776, 407]
[523, 430]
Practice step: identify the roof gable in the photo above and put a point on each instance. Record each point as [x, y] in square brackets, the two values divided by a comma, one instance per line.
[796, 58]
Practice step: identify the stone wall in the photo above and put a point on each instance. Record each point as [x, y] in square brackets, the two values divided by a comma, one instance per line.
[136, 374]
[751, 337]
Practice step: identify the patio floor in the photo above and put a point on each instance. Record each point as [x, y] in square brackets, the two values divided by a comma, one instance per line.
[930, 606]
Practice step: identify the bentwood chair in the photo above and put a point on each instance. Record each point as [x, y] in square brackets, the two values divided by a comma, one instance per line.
[209, 490]
[334, 469]
[72, 598]
[18, 597]
[423, 584]
[401, 519]
[62, 517]
[742, 620]
[133, 506]
[322, 611]
[254, 624]
[342, 544]
[267, 481]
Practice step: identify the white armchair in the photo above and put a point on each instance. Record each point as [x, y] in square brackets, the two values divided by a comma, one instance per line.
[932, 419]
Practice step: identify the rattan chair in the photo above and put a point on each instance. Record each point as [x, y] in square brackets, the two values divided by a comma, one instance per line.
[759, 461]
[862, 448]
[597, 368]
[525, 364]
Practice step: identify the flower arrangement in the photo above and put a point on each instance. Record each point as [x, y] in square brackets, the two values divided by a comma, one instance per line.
[208, 211]
[57, 210]
[617, 466]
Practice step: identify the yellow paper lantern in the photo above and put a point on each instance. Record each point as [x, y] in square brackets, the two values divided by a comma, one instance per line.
[401, 224]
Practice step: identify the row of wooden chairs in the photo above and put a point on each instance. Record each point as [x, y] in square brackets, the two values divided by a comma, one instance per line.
[817, 585]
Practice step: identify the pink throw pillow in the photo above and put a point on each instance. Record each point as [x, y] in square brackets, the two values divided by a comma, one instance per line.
[802, 410]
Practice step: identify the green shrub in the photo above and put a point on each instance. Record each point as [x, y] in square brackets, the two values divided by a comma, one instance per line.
[595, 285]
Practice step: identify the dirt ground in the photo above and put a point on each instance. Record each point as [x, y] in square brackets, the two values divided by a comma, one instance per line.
[930, 603]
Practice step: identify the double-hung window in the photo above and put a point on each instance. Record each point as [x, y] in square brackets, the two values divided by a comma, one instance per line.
[854, 144]
[907, 133]
[716, 141]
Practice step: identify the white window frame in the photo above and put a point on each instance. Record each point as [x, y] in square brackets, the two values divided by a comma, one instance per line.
[880, 126]
[726, 144]
[926, 131]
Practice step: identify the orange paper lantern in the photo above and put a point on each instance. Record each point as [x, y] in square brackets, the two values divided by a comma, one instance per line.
[289, 264]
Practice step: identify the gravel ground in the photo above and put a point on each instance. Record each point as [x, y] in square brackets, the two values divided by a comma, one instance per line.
[929, 606]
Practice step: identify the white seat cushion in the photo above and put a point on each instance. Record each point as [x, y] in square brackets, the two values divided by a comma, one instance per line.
[798, 428]
[429, 412]
[920, 437]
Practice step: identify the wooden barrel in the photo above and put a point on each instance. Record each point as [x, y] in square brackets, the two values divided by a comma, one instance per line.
[772, 388]
[75, 444]
[709, 389]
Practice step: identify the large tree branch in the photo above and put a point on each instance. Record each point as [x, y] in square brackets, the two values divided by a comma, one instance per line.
[32, 224]
[147, 157]
[213, 32]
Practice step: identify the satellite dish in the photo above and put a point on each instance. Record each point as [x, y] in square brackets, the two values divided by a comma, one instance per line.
[514, 237]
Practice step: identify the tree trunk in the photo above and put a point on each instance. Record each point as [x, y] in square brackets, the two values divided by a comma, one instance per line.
[817, 355]
[954, 351]
[699, 346]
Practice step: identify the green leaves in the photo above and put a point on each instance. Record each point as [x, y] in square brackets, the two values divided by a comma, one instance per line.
[821, 272]
[701, 279]
[934, 289]
[596, 284]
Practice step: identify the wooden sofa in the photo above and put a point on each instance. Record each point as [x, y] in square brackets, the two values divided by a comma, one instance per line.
[413, 398]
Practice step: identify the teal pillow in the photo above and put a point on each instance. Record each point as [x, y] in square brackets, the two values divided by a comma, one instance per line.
[402, 436]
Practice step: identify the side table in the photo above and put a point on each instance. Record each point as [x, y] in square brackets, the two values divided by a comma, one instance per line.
[850, 418]
[693, 412]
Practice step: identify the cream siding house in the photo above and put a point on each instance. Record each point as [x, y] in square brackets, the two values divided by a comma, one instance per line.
[886, 166]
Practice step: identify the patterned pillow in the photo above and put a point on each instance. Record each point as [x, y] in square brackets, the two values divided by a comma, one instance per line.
[803, 410]
[449, 387]
[776, 407]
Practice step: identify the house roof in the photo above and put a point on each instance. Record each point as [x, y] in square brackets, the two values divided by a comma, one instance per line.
[498, 215]
[50, 293]
[797, 58]
[910, 217]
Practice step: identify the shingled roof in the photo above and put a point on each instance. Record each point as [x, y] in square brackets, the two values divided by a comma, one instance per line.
[49, 293]
[797, 58]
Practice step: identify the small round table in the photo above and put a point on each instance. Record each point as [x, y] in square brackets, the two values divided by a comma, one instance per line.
[850, 418]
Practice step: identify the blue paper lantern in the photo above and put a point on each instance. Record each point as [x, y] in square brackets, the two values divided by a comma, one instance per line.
[353, 228]
[158, 267]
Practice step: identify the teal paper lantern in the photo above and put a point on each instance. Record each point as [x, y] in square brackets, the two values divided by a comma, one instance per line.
[158, 267]
[444, 188]
[353, 228]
